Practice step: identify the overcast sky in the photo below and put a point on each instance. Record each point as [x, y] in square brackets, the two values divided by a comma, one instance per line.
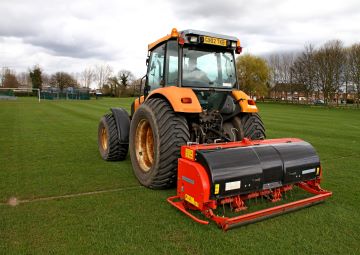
[72, 35]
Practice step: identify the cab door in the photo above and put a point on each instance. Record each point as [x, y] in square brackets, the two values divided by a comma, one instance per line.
[155, 73]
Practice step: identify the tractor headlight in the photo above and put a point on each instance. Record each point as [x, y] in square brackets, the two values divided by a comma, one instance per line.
[233, 45]
[193, 39]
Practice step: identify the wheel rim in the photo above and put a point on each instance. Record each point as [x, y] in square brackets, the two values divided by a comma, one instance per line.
[144, 145]
[104, 138]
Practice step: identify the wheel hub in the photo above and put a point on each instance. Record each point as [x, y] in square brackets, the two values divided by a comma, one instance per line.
[144, 145]
[104, 138]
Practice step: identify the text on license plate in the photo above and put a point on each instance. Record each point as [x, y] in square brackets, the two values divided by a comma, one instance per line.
[214, 41]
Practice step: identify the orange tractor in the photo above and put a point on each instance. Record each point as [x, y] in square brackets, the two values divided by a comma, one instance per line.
[194, 128]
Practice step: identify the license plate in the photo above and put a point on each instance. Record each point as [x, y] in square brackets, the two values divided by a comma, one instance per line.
[214, 41]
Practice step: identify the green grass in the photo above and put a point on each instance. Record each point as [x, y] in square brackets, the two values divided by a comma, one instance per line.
[50, 149]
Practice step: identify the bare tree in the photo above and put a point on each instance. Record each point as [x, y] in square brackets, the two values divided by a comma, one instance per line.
[274, 64]
[113, 83]
[354, 63]
[9, 79]
[24, 79]
[346, 71]
[3, 72]
[77, 77]
[287, 61]
[46, 79]
[304, 70]
[137, 85]
[63, 80]
[125, 77]
[329, 60]
[102, 74]
[87, 77]
[281, 72]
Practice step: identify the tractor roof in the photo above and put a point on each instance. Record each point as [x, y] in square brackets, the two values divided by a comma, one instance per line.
[174, 34]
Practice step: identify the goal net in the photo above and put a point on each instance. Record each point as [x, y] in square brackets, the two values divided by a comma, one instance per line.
[14, 93]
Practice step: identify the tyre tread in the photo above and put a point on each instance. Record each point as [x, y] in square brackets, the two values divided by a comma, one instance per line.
[116, 151]
[253, 126]
[173, 132]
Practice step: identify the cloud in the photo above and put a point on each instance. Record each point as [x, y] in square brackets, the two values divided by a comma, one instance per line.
[70, 35]
[285, 23]
[61, 30]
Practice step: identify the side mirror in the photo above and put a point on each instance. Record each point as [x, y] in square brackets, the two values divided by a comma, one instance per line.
[147, 61]
[141, 82]
[146, 90]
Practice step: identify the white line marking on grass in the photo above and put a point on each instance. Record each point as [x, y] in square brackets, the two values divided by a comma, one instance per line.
[13, 201]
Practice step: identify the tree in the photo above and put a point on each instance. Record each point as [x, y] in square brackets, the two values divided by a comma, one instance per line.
[105, 90]
[253, 74]
[346, 71]
[281, 71]
[274, 65]
[87, 76]
[354, 63]
[2, 75]
[287, 72]
[10, 80]
[62, 80]
[125, 77]
[24, 79]
[286, 62]
[35, 76]
[114, 85]
[304, 70]
[102, 74]
[329, 60]
[137, 86]
[46, 78]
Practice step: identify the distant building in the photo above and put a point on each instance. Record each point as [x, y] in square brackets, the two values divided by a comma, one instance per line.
[295, 92]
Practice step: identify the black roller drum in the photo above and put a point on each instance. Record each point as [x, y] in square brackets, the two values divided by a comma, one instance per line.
[241, 170]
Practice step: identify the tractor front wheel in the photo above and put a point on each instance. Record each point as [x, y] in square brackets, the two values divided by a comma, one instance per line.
[156, 135]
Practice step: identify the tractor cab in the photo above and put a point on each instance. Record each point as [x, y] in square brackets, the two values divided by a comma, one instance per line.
[202, 61]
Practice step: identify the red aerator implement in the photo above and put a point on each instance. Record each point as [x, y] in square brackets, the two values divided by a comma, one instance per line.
[214, 175]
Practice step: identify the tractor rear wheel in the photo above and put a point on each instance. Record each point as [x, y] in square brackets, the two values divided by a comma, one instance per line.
[233, 129]
[156, 135]
[253, 126]
[108, 140]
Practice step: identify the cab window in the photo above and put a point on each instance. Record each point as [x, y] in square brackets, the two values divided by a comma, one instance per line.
[172, 63]
[156, 68]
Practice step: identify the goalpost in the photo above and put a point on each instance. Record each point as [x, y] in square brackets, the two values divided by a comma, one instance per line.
[10, 93]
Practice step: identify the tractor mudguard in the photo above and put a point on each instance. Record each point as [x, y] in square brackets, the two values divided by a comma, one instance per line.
[122, 123]
[185, 100]
[181, 99]
[245, 102]
[135, 105]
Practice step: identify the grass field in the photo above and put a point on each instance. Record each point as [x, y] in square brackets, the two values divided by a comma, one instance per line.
[50, 149]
